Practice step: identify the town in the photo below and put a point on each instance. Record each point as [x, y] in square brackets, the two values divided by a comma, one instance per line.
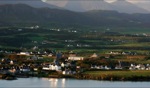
[48, 63]
[70, 52]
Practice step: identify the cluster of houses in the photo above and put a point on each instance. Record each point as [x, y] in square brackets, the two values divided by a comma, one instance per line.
[64, 66]
[139, 67]
[56, 65]
[68, 66]
[100, 67]
[122, 53]
[131, 67]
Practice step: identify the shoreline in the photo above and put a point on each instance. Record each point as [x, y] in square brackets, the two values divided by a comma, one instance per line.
[8, 77]
[84, 76]
[114, 78]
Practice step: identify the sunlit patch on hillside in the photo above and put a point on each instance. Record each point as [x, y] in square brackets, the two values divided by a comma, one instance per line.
[110, 1]
[44, 0]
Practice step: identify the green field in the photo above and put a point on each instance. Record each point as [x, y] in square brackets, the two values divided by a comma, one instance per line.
[83, 41]
[127, 73]
[136, 75]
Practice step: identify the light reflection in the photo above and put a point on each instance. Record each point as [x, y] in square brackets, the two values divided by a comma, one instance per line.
[53, 82]
[63, 82]
[44, 78]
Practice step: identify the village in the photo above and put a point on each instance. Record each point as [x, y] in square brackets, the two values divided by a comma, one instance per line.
[24, 64]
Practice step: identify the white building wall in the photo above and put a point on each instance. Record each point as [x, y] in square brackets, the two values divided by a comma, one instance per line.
[75, 58]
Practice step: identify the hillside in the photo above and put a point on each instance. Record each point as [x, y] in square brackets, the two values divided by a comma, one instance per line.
[120, 6]
[127, 7]
[124, 6]
[33, 3]
[24, 14]
[82, 6]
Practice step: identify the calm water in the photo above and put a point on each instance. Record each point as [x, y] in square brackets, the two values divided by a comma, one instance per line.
[69, 83]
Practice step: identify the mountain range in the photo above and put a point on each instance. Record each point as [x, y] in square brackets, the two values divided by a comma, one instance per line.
[120, 6]
[123, 6]
[12, 14]
[33, 3]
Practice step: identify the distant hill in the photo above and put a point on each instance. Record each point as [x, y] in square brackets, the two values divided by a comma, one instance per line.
[82, 6]
[87, 5]
[145, 4]
[12, 14]
[33, 3]
[127, 7]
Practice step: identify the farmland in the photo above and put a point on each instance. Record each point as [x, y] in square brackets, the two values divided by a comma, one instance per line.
[118, 75]
[73, 39]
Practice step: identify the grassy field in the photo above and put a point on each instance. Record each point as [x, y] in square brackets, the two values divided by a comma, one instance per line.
[118, 75]
[131, 30]
[127, 73]
[89, 42]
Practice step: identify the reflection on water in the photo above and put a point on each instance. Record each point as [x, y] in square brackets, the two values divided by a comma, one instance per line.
[63, 82]
[69, 83]
[54, 82]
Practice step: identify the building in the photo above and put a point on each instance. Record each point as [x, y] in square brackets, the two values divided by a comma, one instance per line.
[24, 53]
[75, 58]
[52, 67]
[94, 55]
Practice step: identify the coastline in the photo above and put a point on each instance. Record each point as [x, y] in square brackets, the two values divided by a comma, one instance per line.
[89, 76]
[117, 75]
[113, 78]
[8, 77]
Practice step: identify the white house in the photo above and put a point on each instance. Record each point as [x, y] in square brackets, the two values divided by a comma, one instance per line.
[62, 65]
[25, 69]
[94, 55]
[11, 62]
[24, 53]
[52, 67]
[75, 58]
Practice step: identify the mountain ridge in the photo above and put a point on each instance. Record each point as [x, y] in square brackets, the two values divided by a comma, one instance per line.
[33, 3]
[22, 14]
[128, 7]
[83, 6]
[118, 5]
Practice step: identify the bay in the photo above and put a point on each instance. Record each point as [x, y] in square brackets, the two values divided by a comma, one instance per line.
[69, 83]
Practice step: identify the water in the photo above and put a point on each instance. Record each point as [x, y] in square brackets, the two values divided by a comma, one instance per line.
[69, 83]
